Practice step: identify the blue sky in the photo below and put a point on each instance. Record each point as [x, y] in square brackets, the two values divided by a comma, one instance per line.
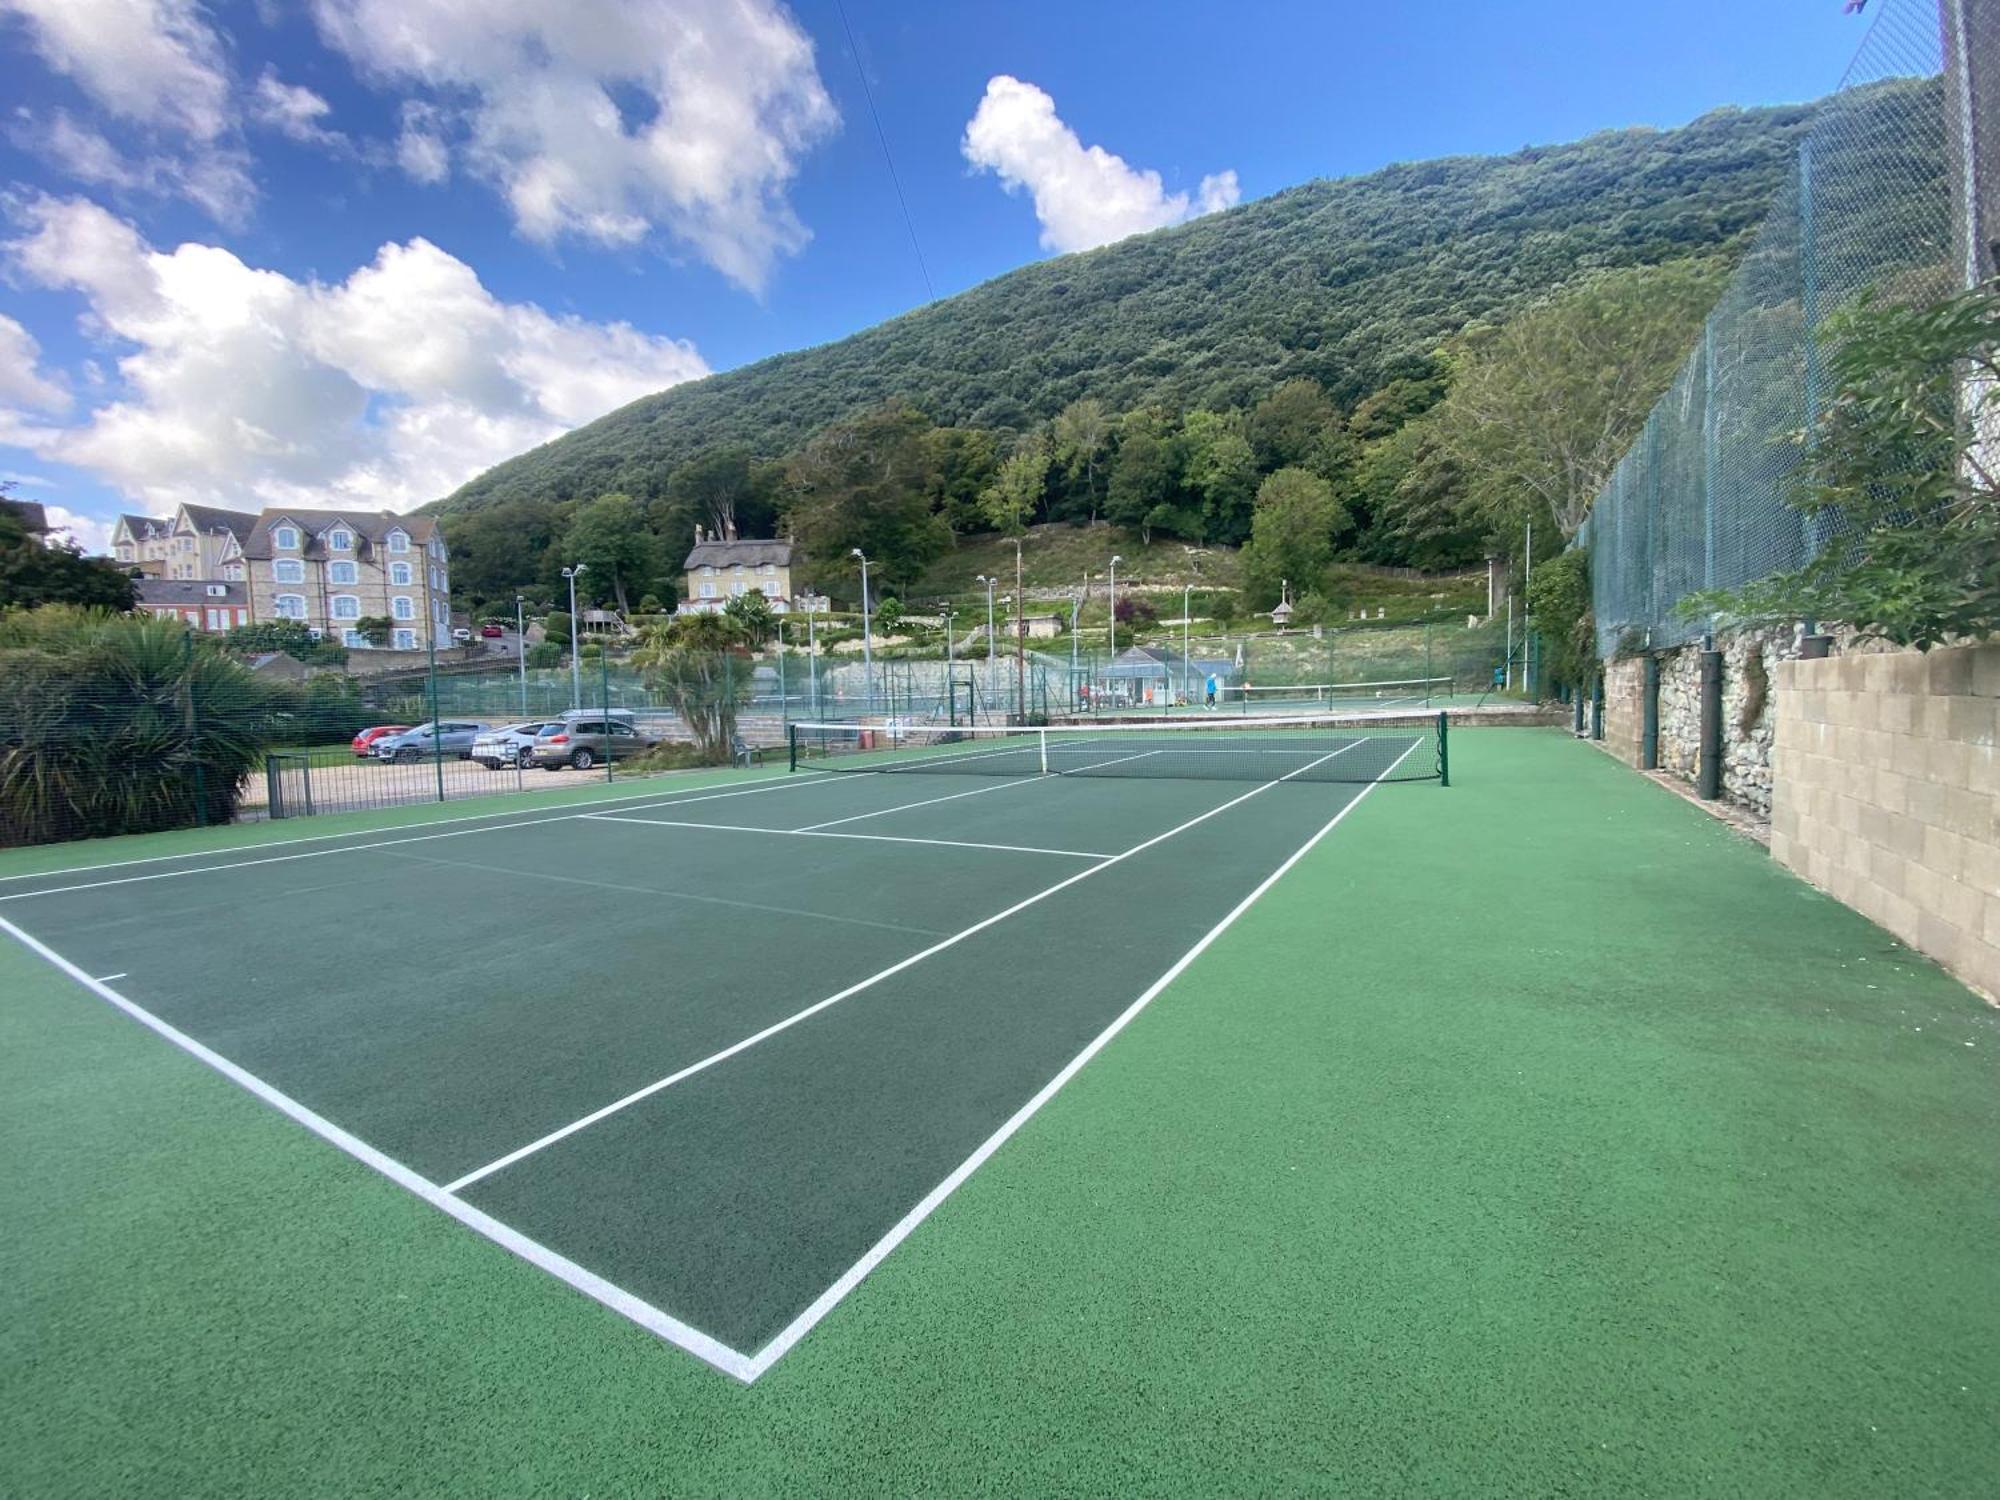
[351, 252]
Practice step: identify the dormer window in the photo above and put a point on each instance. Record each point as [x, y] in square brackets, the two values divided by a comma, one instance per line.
[399, 541]
[216, 591]
[286, 538]
[340, 539]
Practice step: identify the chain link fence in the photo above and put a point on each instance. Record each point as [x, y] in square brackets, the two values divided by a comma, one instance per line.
[1699, 500]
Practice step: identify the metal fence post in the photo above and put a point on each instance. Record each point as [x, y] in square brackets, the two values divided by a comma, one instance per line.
[1649, 717]
[1708, 783]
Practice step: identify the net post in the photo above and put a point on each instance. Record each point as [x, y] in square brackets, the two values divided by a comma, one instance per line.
[1042, 744]
[1444, 750]
[792, 746]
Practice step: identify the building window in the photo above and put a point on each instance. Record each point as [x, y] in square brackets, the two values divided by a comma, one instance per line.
[708, 570]
[406, 640]
[708, 591]
[398, 542]
[399, 574]
[353, 638]
[290, 606]
[402, 608]
[218, 619]
[234, 572]
[286, 538]
[768, 568]
[288, 570]
[345, 607]
[735, 589]
[124, 551]
[342, 572]
[216, 591]
[340, 539]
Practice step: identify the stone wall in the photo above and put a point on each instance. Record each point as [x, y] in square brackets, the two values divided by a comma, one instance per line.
[1749, 663]
[1888, 794]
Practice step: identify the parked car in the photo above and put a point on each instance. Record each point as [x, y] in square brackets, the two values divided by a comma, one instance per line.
[510, 744]
[364, 742]
[583, 741]
[463, 633]
[491, 631]
[451, 736]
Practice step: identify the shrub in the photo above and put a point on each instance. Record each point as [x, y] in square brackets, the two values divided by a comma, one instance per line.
[545, 654]
[1131, 610]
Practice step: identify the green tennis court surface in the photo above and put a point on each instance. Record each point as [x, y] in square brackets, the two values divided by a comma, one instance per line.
[1535, 1135]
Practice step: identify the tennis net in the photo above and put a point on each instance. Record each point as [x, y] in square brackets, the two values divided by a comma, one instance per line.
[1320, 747]
[1402, 692]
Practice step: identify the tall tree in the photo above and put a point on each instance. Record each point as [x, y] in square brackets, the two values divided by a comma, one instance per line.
[1222, 469]
[1290, 424]
[1082, 432]
[865, 483]
[963, 463]
[1011, 501]
[34, 572]
[1297, 524]
[1542, 408]
[1145, 490]
[609, 537]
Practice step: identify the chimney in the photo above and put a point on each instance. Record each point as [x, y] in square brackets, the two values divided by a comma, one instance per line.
[729, 531]
[697, 534]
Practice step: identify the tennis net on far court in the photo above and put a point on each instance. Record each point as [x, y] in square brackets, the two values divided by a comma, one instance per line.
[1406, 692]
[1359, 747]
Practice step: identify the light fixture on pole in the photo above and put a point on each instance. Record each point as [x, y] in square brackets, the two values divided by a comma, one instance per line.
[867, 641]
[1020, 637]
[1075, 615]
[1187, 613]
[575, 639]
[1113, 638]
[521, 648]
[991, 639]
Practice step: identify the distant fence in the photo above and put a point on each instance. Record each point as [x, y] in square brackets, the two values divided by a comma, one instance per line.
[1699, 501]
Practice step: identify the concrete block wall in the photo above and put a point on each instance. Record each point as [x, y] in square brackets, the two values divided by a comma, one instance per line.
[1886, 777]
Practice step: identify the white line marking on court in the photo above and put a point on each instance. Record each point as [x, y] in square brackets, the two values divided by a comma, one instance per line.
[882, 812]
[422, 838]
[646, 890]
[320, 838]
[107, 978]
[788, 1022]
[827, 1300]
[709, 1350]
[873, 838]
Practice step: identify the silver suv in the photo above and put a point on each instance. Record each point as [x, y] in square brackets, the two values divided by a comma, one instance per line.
[585, 740]
[449, 736]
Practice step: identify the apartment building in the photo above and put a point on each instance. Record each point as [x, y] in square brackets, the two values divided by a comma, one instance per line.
[196, 543]
[332, 569]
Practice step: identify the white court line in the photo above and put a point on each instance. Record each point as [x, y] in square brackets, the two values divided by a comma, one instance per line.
[644, 890]
[873, 838]
[107, 978]
[709, 1350]
[422, 838]
[320, 838]
[615, 1106]
[882, 812]
[827, 1300]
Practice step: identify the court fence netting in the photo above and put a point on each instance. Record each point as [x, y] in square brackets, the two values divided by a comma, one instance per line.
[1342, 748]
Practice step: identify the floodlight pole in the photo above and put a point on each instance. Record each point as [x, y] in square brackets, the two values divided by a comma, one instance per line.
[1075, 616]
[521, 648]
[1112, 639]
[867, 644]
[992, 640]
[1020, 638]
[1187, 609]
[575, 640]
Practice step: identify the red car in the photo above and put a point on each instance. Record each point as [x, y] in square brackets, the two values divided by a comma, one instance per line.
[491, 632]
[368, 737]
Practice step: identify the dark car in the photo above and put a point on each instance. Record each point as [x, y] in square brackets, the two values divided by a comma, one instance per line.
[583, 742]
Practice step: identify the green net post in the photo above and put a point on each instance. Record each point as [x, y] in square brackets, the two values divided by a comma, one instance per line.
[1444, 750]
[792, 746]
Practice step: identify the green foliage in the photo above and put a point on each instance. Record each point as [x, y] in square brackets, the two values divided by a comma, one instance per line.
[650, 604]
[751, 613]
[1223, 606]
[34, 573]
[545, 654]
[867, 483]
[558, 630]
[293, 637]
[115, 724]
[1292, 538]
[1901, 479]
[888, 615]
[376, 630]
[1015, 496]
[700, 667]
[1559, 601]
[1312, 608]
[1350, 284]
[609, 537]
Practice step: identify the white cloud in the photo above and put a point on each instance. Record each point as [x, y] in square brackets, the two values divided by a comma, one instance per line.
[292, 110]
[1084, 196]
[154, 62]
[420, 149]
[92, 535]
[606, 120]
[390, 388]
[20, 385]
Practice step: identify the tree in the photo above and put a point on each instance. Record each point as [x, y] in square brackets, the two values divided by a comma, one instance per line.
[1413, 492]
[114, 724]
[558, 629]
[34, 572]
[865, 483]
[714, 490]
[1081, 432]
[888, 615]
[1287, 426]
[751, 613]
[962, 464]
[1292, 538]
[699, 666]
[1559, 600]
[1222, 469]
[1902, 480]
[1145, 490]
[1016, 492]
[609, 537]
[293, 637]
[1542, 408]
[376, 630]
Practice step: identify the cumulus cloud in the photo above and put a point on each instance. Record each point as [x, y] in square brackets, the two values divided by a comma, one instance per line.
[21, 385]
[155, 62]
[1084, 196]
[420, 149]
[292, 110]
[240, 385]
[605, 120]
[93, 535]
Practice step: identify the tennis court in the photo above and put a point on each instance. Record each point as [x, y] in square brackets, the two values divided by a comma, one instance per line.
[707, 1057]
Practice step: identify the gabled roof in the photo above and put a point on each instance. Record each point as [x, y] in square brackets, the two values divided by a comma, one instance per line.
[140, 528]
[237, 523]
[34, 520]
[190, 592]
[739, 554]
[372, 528]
